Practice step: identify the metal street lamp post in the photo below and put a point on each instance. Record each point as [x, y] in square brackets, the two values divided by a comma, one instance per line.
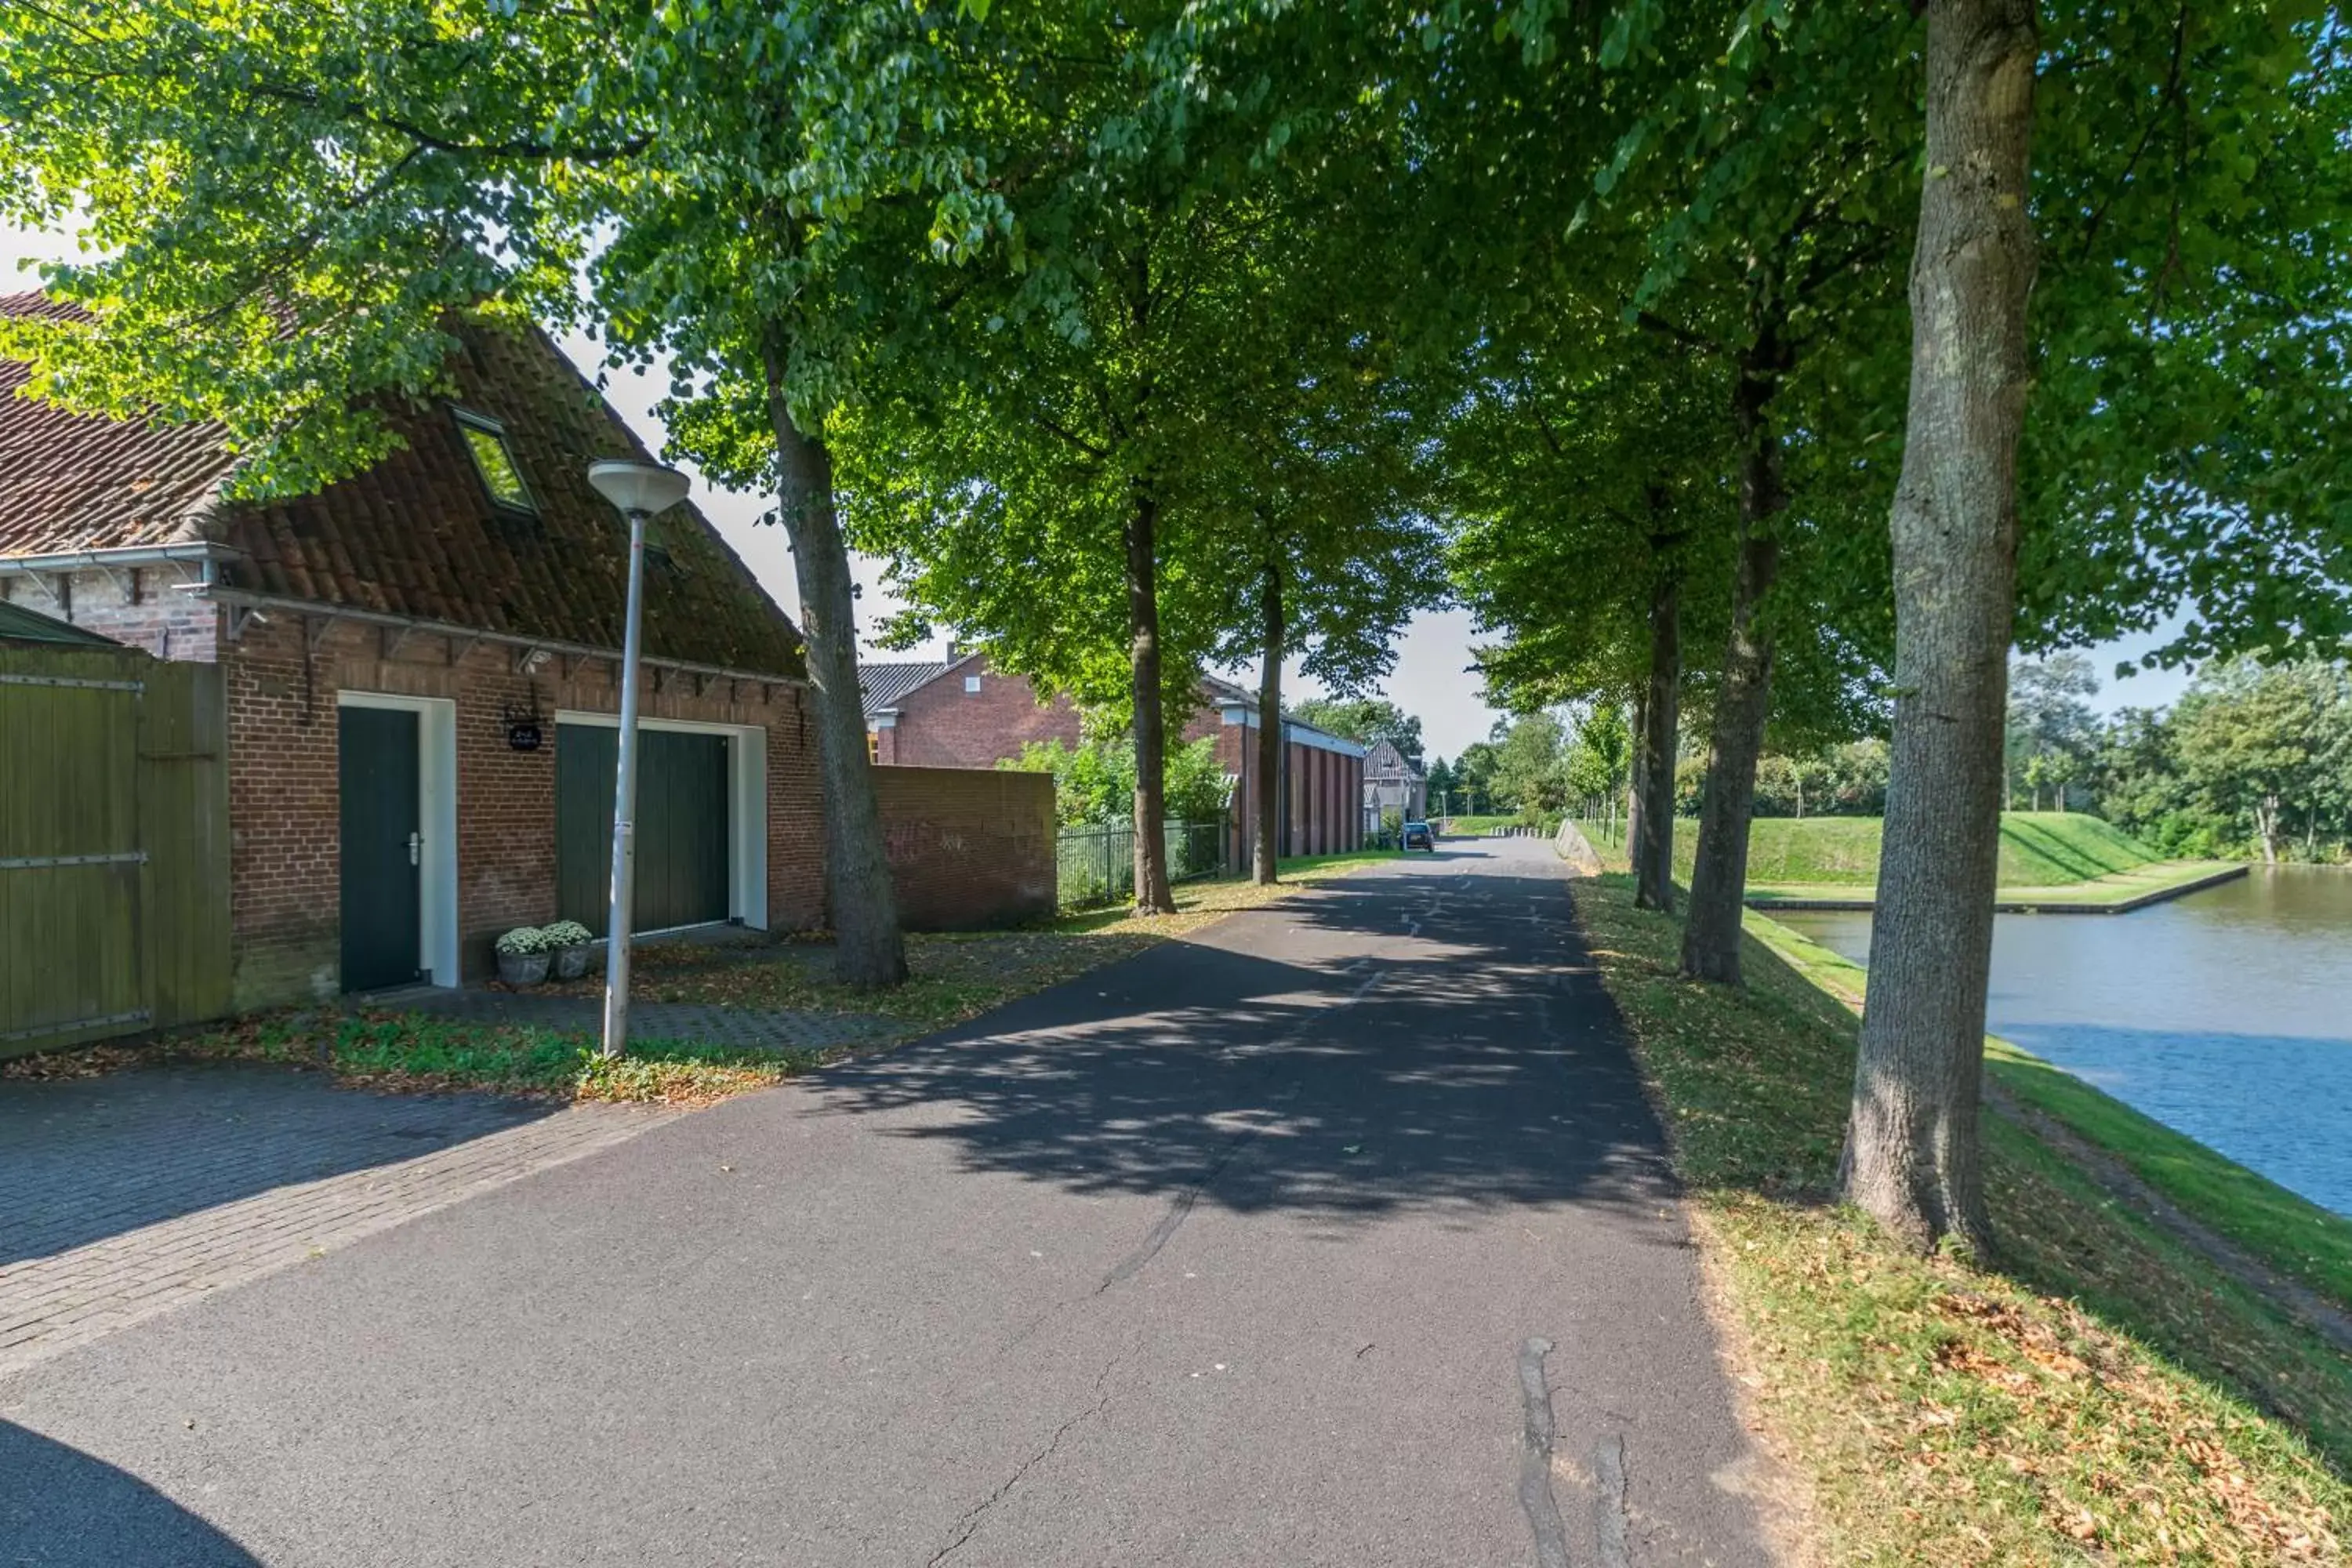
[638, 490]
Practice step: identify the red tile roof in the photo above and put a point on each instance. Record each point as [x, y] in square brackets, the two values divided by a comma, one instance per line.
[417, 535]
[69, 482]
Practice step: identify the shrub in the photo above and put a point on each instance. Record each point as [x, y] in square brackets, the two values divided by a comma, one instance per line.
[525, 940]
[566, 933]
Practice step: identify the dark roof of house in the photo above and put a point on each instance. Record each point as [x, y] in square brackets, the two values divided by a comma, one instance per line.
[885, 684]
[1385, 760]
[418, 535]
[18, 624]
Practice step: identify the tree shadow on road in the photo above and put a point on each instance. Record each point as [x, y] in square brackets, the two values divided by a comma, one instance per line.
[1473, 1064]
[60, 1508]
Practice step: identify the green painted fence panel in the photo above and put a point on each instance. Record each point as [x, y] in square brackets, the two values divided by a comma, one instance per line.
[114, 846]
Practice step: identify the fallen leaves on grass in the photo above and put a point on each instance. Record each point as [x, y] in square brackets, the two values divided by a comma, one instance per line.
[407, 1053]
[2068, 1406]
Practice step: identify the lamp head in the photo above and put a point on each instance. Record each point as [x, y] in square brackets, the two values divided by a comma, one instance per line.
[634, 487]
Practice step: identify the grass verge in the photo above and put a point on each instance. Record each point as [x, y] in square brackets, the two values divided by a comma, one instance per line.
[2049, 860]
[419, 1054]
[953, 977]
[2115, 890]
[2095, 1393]
[2290, 1235]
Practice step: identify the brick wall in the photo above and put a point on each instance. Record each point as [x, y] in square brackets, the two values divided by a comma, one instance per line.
[284, 788]
[145, 607]
[942, 725]
[969, 847]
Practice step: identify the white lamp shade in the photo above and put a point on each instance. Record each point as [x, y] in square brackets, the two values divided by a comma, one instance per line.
[637, 487]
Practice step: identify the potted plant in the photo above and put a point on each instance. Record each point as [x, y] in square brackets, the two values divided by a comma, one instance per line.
[524, 954]
[573, 944]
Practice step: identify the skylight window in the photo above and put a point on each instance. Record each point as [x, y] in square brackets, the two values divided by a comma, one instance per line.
[486, 440]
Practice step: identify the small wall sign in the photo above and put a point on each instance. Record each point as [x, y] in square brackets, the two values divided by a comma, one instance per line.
[522, 735]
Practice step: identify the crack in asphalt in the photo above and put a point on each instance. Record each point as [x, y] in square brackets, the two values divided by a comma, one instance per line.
[1179, 1208]
[1536, 1497]
[1610, 1517]
[968, 1525]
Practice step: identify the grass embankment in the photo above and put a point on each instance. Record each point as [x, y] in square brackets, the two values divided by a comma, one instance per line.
[2097, 1392]
[1475, 826]
[953, 977]
[2048, 858]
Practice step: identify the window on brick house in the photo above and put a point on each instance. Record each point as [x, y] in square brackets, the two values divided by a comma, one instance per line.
[486, 442]
[971, 684]
[872, 748]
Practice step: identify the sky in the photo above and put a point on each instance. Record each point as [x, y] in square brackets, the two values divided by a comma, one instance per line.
[1432, 677]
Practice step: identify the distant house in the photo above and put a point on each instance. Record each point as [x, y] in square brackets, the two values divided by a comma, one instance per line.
[960, 712]
[1393, 784]
[419, 664]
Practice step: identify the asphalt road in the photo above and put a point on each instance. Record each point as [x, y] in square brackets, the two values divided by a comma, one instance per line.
[1340, 1234]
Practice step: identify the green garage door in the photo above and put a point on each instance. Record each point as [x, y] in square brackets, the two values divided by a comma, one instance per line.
[682, 788]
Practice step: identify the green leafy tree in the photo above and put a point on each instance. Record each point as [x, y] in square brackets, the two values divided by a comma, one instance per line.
[289, 204]
[2263, 746]
[1474, 775]
[1312, 463]
[2050, 718]
[1529, 751]
[1599, 755]
[1094, 781]
[1740, 218]
[1085, 445]
[2223, 124]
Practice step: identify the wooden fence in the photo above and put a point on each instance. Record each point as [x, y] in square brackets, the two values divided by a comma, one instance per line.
[114, 845]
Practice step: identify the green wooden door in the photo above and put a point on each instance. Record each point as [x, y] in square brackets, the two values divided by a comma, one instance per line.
[682, 817]
[383, 888]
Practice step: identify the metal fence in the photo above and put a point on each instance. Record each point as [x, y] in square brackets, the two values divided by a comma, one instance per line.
[1096, 865]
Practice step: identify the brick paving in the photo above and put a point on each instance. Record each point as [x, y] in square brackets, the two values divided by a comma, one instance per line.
[751, 1028]
[128, 1195]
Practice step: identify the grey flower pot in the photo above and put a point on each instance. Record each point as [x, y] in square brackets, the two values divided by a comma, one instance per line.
[523, 968]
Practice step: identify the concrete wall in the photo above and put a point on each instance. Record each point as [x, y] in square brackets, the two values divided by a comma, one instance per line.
[969, 847]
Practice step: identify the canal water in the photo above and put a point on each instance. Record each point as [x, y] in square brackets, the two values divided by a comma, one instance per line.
[2226, 1014]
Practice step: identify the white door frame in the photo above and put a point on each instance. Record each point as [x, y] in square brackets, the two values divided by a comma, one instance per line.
[747, 805]
[436, 810]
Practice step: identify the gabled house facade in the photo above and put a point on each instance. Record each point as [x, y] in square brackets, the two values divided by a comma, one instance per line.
[1393, 784]
[420, 669]
[961, 712]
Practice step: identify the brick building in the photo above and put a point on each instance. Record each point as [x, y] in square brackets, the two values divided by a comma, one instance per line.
[420, 669]
[959, 713]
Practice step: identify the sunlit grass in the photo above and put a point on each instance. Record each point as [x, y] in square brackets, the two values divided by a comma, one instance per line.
[2094, 1393]
[953, 977]
[414, 1052]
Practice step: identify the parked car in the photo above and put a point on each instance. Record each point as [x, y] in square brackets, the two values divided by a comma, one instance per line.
[1417, 836]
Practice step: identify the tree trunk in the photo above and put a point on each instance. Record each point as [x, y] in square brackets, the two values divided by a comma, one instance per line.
[1151, 890]
[1635, 788]
[1719, 873]
[1912, 1159]
[1266, 859]
[868, 948]
[1653, 861]
[2266, 823]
